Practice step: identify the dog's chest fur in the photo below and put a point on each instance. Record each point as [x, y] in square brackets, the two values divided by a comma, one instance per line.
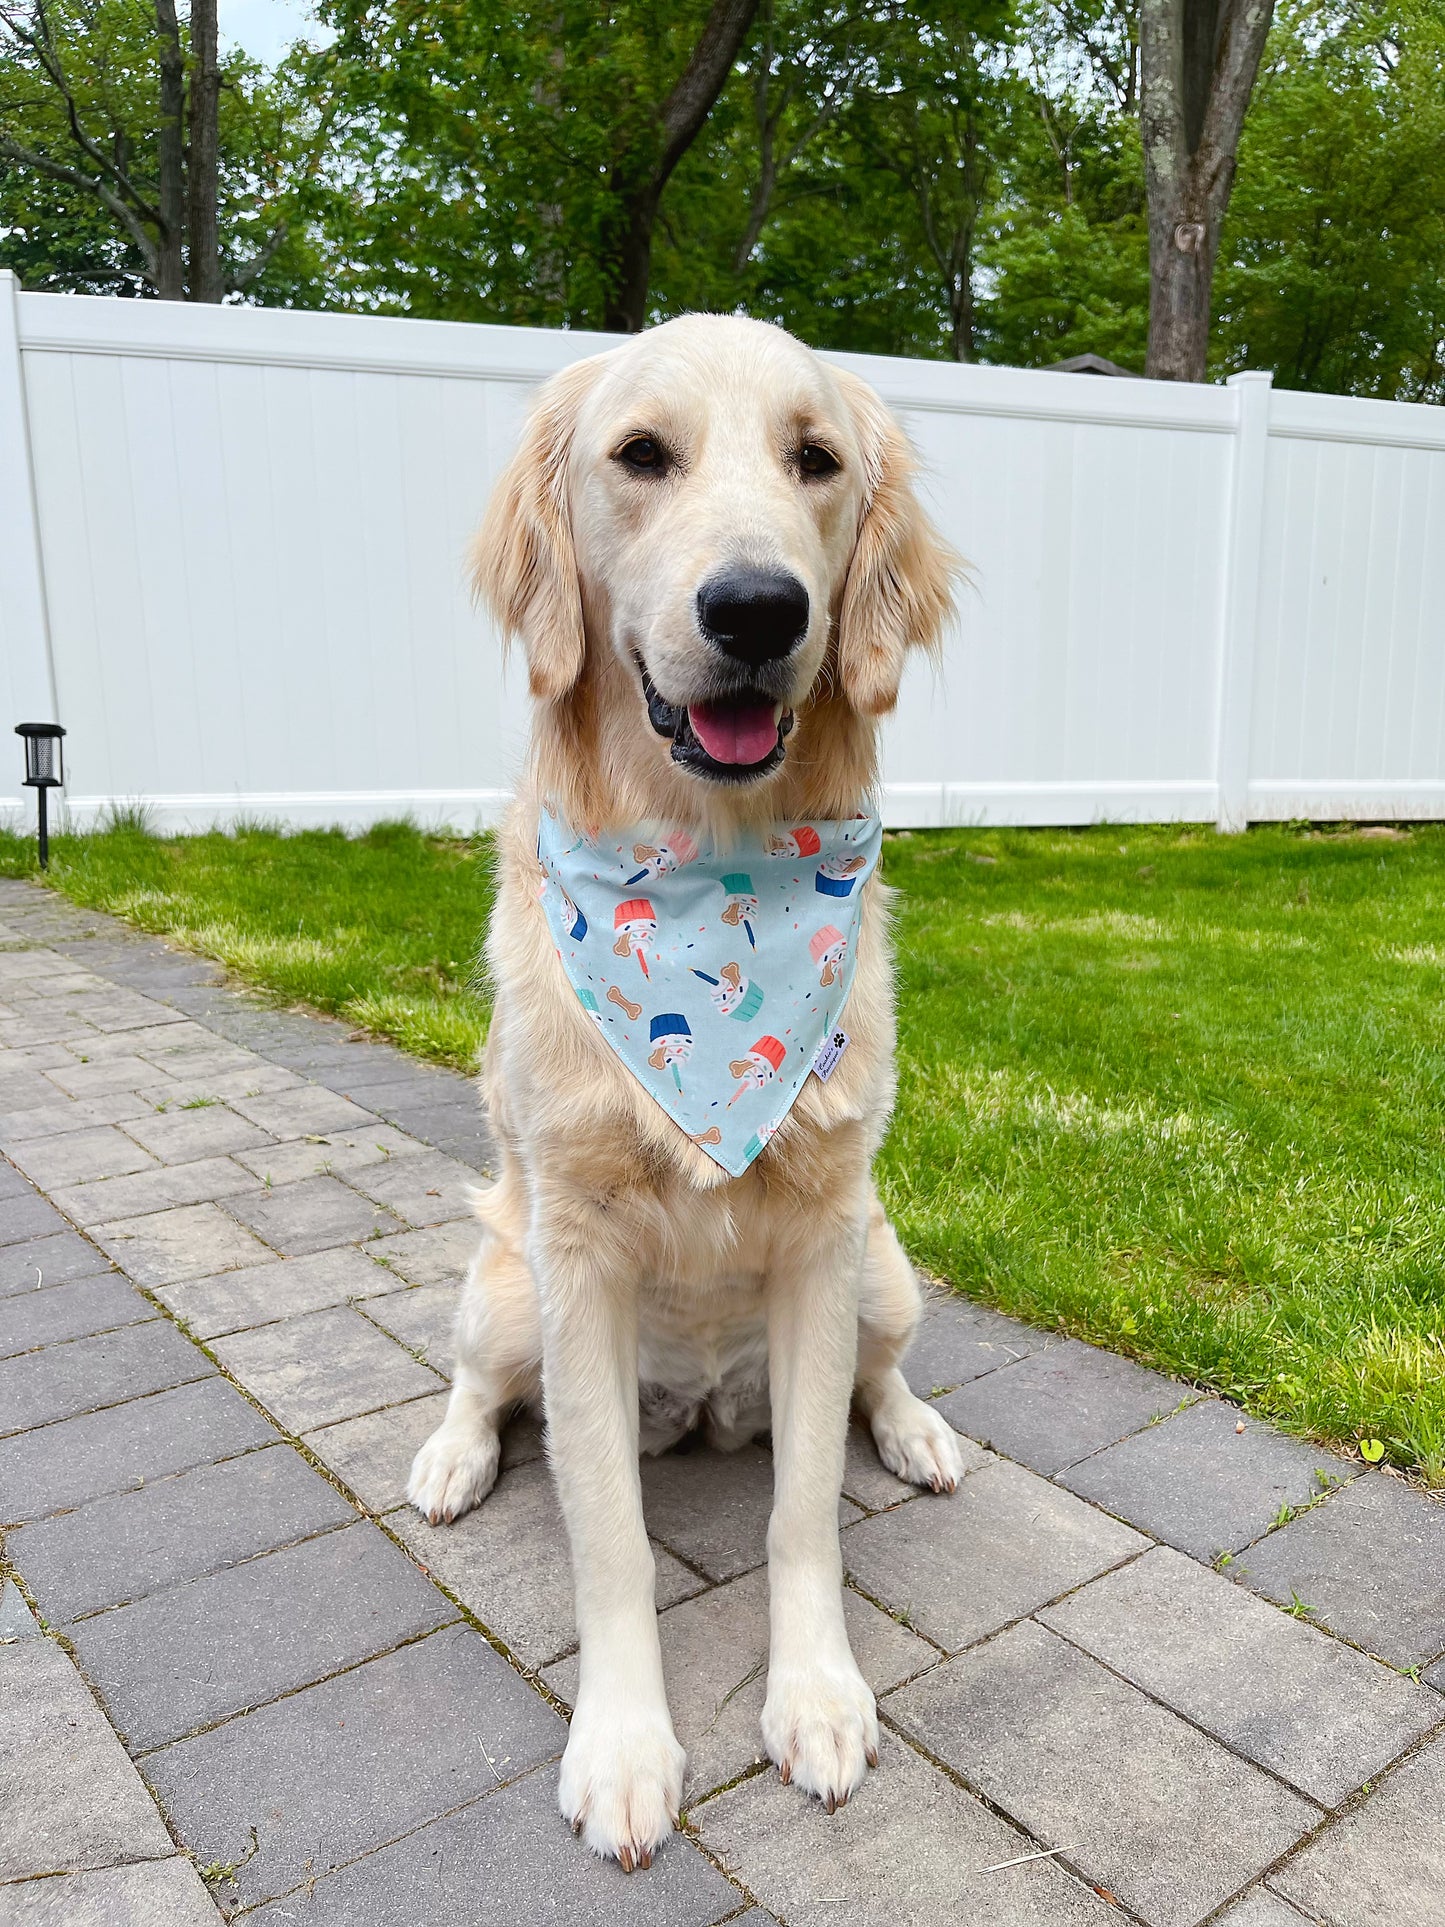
[703, 1362]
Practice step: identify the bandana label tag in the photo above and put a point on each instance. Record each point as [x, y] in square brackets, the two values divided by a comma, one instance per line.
[829, 1052]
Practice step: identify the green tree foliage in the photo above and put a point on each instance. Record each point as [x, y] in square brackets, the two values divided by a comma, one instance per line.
[1333, 273]
[922, 177]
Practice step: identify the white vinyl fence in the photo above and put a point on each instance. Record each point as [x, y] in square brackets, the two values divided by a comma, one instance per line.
[231, 549]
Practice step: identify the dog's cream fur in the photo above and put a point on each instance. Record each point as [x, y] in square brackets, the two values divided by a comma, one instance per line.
[616, 1254]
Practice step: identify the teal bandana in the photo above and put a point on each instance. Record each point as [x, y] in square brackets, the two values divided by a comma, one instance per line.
[715, 978]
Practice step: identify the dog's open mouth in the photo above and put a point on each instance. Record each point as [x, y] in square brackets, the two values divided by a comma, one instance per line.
[733, 739]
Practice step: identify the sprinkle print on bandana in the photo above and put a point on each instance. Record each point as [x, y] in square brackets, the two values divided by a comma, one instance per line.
[717, 987]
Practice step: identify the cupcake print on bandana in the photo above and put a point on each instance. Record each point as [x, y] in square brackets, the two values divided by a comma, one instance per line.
[725, 937]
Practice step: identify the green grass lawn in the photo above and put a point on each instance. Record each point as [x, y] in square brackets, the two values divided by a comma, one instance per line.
[1179, 1094]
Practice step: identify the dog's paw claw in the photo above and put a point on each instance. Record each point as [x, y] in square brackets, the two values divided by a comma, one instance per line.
[621, 1785]
[919, 1445]
[821, 1727]
[452, 1473]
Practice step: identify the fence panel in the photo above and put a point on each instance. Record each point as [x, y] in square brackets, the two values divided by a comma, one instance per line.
[246, 596]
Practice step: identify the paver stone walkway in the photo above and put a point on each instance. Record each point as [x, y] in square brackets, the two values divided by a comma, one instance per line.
[1153, 1662]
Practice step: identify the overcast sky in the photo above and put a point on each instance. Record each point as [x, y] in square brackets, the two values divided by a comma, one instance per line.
[265, 28]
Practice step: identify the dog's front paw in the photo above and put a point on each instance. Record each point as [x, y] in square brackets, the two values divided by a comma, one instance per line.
[918, 1444]
[622, 1781]
[820, 1726]
[453, 1472]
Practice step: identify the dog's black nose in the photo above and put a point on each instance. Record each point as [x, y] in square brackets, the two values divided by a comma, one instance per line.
[755, 615]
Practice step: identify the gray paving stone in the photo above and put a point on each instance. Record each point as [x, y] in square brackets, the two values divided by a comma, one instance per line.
[910, 1849]
[340, 1064]
[1370, 1561]
[373, 1454]
[1060, 1404]
[49, 1261]
[16, 1619]
[25, 1218]
[237, 1300]
[445, 1872]
[70, 1797]
[57, 1312]
[439, 1256]
[1201, 1484]
[508, 1562]
[958, 1340]
[961, 1566]
[313, 1215]
[1261, 1908]
[422, 1317]
[154, 1893]
[1287, 1697]
[191, 1241]
[302, 1108]
[712, 1508]
[182, 1137]
[299, 1788]
[1381, 1864]
[715, 1657]
[22, 1090]
[323, 1366]
[13, 1183]
[105, 1074]
[329, 1153]
[1041, 1729]
[112, 1451]
[70, 1114]
[182, 1659]
[86, 1373]
[159, 1189]
[176, 1091]
[134, 1543]
[79, 1157]
[468, 1141]
[425, 1190]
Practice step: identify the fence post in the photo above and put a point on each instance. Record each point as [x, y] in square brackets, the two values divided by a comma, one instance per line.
[27, 676]
[1241, 595]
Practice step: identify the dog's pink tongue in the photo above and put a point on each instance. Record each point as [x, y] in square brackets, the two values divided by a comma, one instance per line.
[735, 732]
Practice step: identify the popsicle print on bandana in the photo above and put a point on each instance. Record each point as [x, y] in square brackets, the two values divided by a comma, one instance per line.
[636, 925]
[660, 860]
[803, 841]
[732, 994]
[758, 1068]
[828, 947]
[671, 1038]
[708, 912]
[741, 908]
[837, 875]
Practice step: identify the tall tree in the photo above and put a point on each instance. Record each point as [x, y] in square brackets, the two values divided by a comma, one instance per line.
[111, 136]
[1198, 61]
[647, 161]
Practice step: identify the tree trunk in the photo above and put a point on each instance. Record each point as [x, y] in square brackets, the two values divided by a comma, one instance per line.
[638, 184]
[170, 275]
[1198, 61]
[202, 217]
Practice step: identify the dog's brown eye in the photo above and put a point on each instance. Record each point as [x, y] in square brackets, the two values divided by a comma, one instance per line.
[642, 452]
[814, 459]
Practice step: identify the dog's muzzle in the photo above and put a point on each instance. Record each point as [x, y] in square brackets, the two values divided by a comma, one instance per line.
[736, 738]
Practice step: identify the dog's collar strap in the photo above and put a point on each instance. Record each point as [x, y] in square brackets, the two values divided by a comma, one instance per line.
[715, 974]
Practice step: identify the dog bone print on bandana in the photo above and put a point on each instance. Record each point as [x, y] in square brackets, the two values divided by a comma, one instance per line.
[716, 987]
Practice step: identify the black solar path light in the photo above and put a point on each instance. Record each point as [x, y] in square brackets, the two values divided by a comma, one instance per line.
[44, 771]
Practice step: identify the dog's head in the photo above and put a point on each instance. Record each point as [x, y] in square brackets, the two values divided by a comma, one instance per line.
[722, 523]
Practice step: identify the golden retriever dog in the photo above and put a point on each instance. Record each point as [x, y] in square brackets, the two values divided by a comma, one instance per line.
[710, 547]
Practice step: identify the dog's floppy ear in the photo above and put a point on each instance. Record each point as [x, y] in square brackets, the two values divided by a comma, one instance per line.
[901, 579]
[523, 561]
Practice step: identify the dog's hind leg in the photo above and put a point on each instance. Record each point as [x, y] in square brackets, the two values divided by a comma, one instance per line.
[914, 1441]
[498, 1365]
